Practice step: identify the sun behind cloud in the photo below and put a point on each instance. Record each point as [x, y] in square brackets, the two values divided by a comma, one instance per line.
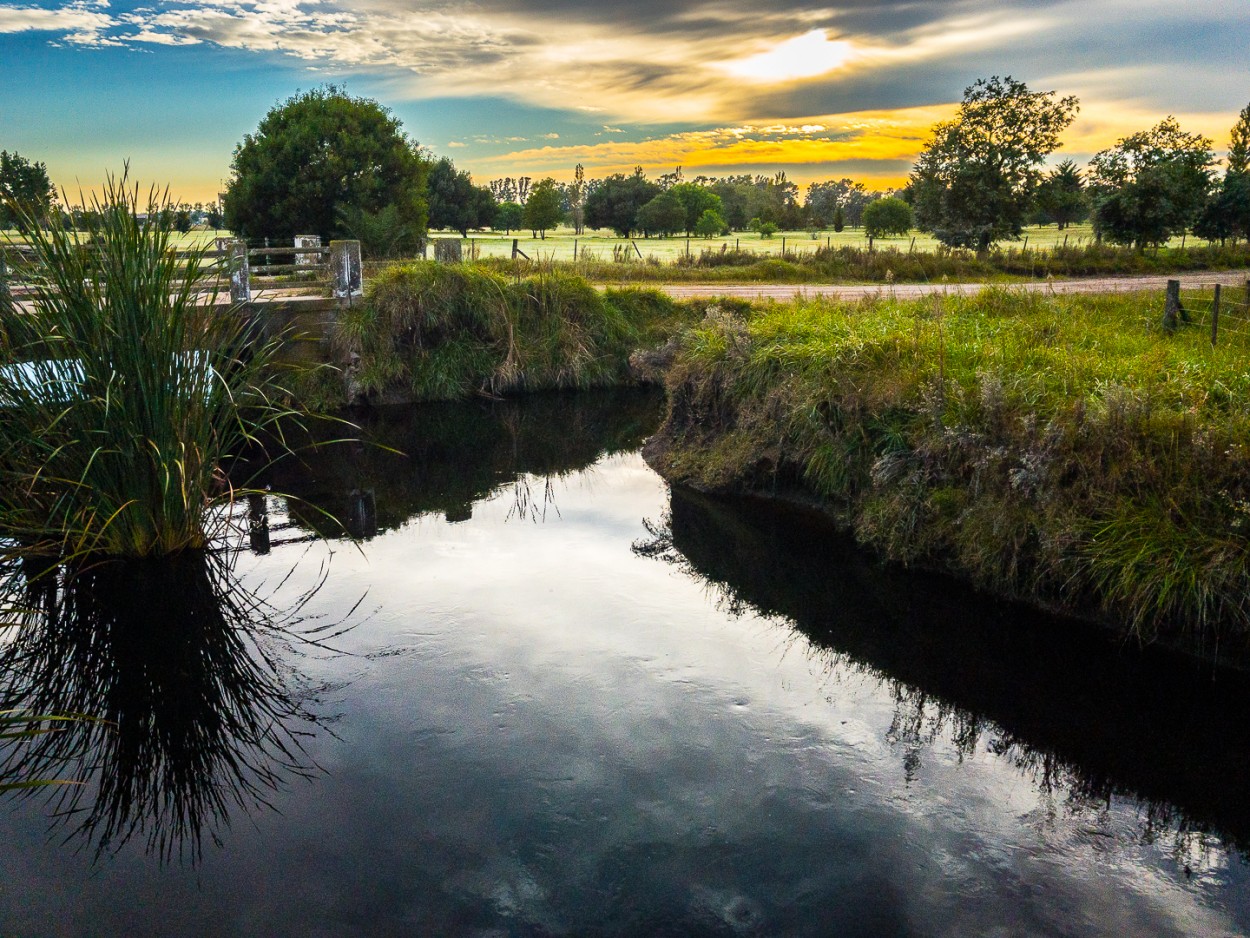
[806, 56]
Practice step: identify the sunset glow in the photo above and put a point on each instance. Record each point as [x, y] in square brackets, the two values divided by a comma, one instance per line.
[816, 88]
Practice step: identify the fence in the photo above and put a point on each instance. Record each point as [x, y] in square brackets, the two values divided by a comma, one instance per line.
[1225, 310]
[245, 273]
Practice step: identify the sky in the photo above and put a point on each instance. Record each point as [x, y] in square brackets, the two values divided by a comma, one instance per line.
[820, 89]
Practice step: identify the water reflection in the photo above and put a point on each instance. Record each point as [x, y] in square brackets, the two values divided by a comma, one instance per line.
[191, 707]
[1084, 719]
[441, 458]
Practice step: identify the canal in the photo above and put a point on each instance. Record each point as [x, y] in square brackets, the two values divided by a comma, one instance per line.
[485, 674]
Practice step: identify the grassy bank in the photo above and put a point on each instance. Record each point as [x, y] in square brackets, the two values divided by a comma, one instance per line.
[1061, 449]
[428, 332]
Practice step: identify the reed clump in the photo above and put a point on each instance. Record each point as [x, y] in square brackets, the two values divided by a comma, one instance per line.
[1063, 449]
[123, 391]
[429, 331]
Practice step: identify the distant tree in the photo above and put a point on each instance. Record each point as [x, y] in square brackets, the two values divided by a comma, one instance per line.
[504, 190]
[315, 154]
[25, 190]
[695, 200]
[839, 219]
[825, 198]
[1061, 195]
[381, 234]
[663, 215]
[888, 216]
[974, 182]
[577, 200]
[544, 208]
[710, 224]
[455, 202]
[509, 216]
[616, 200]
[1239, 150]
[1226, 213]
[1150, 185]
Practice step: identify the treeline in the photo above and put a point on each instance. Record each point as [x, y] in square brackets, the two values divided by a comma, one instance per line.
[631, 204]
[329, 164]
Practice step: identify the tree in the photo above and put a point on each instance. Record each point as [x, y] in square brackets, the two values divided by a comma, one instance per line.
[544, 208]
[1239, 150]
[455, 203]
[1061, 195]
[577, 200]
[974, 182]
[710, 224]
[839, 219]
[888, 216]
[25, 191]
[509, 216]
[663, 215]
[316, 154]
[616, 200]
[695, 200]
[1150, 185]
[1226, 213]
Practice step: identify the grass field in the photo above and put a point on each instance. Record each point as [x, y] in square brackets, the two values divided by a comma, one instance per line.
[601, 245]
[560, 244]
[1061, 448]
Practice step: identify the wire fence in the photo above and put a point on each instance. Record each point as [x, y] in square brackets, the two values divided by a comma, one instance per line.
[1222, 310]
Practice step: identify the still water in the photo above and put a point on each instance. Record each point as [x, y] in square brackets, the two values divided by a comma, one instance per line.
[537, 693]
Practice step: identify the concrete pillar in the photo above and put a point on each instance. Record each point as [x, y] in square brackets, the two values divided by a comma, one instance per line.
[240, 274]
[308, 241]
[346, 271]
[447, 250]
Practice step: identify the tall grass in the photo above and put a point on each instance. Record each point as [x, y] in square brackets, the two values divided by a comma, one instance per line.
[124, 389]
[1061, 448]
[430, 331]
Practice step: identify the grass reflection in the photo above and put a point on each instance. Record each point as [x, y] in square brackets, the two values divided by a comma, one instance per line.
[197, 710]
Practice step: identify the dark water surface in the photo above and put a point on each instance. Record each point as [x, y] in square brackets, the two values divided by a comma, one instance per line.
[572, 703]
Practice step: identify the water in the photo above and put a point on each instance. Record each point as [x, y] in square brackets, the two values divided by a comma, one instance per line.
[570, 703]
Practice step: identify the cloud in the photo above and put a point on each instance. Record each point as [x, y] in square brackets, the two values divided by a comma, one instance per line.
[77, 24]
[880, 145]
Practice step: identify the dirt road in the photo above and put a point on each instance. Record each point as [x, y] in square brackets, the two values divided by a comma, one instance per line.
[788, 291]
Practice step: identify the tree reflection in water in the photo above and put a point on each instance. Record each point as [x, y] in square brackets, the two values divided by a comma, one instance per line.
[1087, 721]
[191, 707]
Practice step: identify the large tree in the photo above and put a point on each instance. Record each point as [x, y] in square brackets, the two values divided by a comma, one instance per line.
[615, 202]
[25, 190]
[695, 200]
[975, 180]
[544, 208]
[1151, 184]
[317, 157]
[888, 216]
[664, 215]
[455, 202]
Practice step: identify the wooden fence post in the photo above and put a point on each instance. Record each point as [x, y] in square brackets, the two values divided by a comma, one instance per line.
[574, 250]
[514, 248]
[1215, 314]
[347, 275]
[1172, 305]
[636, 251]
[311, 259]
[240, 273]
